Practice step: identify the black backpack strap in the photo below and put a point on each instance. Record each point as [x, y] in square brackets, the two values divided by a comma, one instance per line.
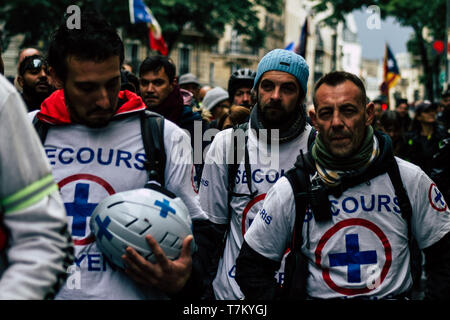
[234, 165]
[41, 128]
[296, 178]
[296, 264]
[400, 191]
[152, 130]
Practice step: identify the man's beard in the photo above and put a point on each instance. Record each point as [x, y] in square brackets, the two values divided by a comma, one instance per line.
[36, 98]
[273, 116]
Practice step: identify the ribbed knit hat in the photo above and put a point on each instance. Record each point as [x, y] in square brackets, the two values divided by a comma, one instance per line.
[213, 97]
[287, 61]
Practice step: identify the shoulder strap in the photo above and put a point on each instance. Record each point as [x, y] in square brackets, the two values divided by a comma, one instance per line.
[41, 128]
[311, 137]
[236, 160]
[298, 177]
[403, 199]
[152, 130]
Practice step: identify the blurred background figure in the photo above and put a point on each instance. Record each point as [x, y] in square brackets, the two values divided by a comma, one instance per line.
[127, 66]
[26, 52]
[378, 110]
[425, 135]
[217, 102]
[129, 81]
[240, 87]
[34, 79]
[190, 83]
[203, 90]
[390, 123]
[443, 117]
[403, 115]
[235, 116]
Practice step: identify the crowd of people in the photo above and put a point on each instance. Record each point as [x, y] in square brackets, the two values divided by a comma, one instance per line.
[346, 200]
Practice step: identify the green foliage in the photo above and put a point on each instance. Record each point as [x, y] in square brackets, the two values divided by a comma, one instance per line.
[418, 14]
[36, 19]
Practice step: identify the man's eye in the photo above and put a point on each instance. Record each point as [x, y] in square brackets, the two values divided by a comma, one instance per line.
[324, 114]
[144, 83]
[289, 88]
[267, 85]
[86, 88]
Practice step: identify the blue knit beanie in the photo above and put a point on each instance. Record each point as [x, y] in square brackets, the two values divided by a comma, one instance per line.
[287, 61]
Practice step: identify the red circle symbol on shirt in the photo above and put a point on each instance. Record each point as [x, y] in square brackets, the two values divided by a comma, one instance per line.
[332, 231]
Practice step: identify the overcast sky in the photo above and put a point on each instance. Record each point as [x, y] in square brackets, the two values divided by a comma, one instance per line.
[373, 40]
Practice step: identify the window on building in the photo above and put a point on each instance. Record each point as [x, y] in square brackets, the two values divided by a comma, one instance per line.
[131, 55]
[234, 43]
[211, 74]
[183, 60]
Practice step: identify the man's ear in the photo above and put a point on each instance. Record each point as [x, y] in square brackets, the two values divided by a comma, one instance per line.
[370, 113]
[20, 81]
[312, 116]
[56, 81]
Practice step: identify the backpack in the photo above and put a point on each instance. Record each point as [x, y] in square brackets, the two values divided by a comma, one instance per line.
[152, 131]
[296, 264]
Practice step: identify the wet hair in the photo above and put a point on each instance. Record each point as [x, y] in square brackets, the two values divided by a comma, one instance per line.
[335, 78]
[96, 40]
[155, 63]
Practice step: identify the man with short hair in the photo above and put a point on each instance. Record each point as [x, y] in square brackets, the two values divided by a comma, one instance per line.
[232, 188]
[240, 87]
[358, 222]
[25, 52]
[33, 78]
[95, 146]
[161, 93]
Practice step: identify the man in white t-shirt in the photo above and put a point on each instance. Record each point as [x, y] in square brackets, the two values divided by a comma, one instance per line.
[95, 148]
[276, 131]
[358, 245]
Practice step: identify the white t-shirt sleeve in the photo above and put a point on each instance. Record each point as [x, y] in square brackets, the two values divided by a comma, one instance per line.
[271, 231]
[431, 215]
[179, 172]
[214, 182]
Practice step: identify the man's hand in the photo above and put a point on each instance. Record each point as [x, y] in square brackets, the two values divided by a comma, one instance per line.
[167, 275]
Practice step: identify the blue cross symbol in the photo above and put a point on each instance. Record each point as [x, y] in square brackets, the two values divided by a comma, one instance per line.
[102, 228]
[80, 209]
[438, 197]
[165, 207]
[353, 258]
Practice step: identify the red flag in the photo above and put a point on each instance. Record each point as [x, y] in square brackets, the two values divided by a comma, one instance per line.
[140, 13]
[156, 39]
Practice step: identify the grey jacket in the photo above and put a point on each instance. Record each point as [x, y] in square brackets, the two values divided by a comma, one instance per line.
[38, 249]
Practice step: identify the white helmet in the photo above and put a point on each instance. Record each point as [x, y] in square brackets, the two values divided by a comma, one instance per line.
[124, 219]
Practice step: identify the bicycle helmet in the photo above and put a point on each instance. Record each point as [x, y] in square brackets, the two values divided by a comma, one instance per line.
[124, 219]
[240, 78]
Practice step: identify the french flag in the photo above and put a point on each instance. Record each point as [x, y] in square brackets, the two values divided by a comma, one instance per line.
[140, 13]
